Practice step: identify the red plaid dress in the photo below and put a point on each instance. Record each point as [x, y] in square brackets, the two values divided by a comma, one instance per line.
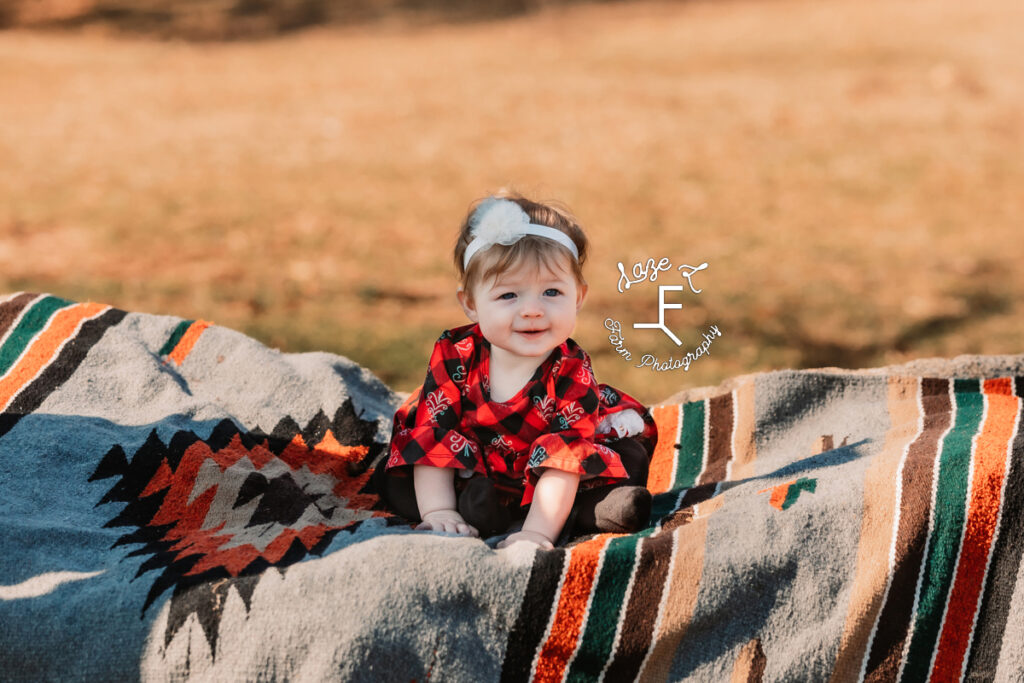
[451, 421]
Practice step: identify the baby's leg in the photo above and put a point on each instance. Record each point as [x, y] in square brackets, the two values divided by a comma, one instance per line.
[481, 505]
[635, 459]
[398, 493]
[622, 507]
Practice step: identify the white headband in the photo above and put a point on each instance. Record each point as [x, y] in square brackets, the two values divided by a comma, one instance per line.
[502, 221]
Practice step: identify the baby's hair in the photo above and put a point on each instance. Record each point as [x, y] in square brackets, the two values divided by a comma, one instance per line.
[501, 258]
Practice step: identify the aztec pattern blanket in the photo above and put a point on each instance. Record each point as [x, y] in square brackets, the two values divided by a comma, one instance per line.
[178, 501]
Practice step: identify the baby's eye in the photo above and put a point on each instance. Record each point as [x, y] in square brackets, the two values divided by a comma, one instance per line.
[552, 292]
[507, 296]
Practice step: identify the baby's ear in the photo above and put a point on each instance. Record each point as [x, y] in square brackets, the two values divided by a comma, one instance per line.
[467, 304]
[581, 295]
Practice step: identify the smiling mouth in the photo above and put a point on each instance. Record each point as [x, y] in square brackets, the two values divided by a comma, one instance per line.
[531, 333]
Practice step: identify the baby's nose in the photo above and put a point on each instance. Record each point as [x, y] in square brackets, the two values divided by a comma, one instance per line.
[531, 309]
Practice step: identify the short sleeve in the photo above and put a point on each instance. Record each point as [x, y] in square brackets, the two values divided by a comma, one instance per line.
[569, 443]
[427, 426]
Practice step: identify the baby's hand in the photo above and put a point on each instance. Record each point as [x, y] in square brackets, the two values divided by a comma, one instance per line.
[624, 423]
[528, 536]
[448, 521]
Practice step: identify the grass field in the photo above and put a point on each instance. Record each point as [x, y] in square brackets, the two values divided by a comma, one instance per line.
[852, 172]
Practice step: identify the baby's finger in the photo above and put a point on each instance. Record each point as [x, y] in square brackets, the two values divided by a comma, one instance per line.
[512, 540]
[467, 530]
[424, 526]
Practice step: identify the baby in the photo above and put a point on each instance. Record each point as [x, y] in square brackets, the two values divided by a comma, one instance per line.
[510, 425]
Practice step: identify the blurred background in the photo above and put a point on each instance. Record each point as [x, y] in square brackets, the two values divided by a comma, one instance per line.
[852, 172]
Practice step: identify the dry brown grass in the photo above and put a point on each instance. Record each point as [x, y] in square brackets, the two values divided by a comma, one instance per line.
[851, 171]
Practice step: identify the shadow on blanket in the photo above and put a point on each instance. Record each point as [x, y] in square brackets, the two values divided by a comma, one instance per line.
[178, 500]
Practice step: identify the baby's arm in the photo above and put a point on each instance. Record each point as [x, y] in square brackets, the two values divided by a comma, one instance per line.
[435, 497]
[553, 497]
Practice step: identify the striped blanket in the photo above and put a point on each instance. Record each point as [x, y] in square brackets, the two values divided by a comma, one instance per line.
[178, 501]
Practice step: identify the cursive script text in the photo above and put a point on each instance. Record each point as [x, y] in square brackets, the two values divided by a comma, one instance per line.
[616, 338]
[654, 363]
[642, 271]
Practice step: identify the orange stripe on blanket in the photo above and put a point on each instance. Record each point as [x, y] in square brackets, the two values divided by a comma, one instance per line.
[990, 457]
[188, 340]
[572, 608]
[44, 348]
[663, 461]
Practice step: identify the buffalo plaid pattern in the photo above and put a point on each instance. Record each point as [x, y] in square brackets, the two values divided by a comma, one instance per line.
[450, 421]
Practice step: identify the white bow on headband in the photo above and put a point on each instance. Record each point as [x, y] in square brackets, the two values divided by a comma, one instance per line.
[502, 221]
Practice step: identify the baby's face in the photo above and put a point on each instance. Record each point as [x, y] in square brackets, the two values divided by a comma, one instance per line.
[529, 310]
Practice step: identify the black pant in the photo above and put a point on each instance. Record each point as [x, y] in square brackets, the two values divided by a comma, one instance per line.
[492, 510]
